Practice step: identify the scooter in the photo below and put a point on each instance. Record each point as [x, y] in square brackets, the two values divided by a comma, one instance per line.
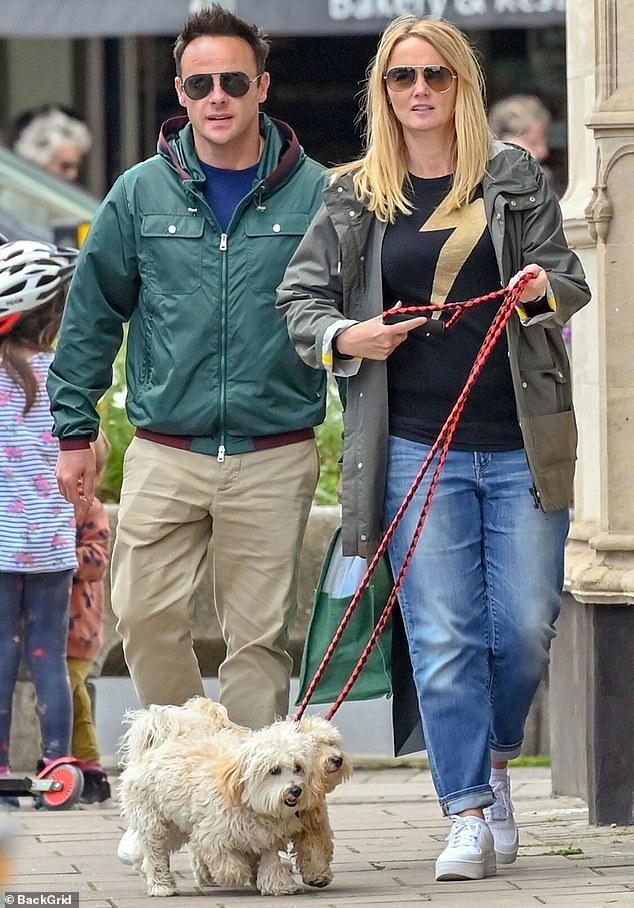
[58, 786]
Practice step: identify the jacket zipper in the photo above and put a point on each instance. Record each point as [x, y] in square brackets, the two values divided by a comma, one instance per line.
[223, 246]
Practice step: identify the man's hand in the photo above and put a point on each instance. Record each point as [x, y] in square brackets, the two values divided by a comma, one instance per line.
[374, 340]
[76, 477]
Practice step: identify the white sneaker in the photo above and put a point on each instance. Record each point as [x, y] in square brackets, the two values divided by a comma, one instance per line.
[129, 850]
[470, 854]
[501, 822]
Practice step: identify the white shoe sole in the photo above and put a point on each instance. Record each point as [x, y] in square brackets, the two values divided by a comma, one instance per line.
[508, 857]
[466, 870]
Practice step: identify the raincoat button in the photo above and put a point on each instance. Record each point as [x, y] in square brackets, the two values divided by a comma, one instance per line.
[363, 537]
[531, 198]
[276, 228]
[513, 204]
[339, 188]
[360, 465]
[352, 213]
[171, 228]
[524, 384]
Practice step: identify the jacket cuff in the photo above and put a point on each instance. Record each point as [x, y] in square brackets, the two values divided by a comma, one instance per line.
[538, 310]
[340, 365]
[74, 444]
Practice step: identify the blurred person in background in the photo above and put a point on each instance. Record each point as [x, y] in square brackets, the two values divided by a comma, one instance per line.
[524, 121]
[54, 138]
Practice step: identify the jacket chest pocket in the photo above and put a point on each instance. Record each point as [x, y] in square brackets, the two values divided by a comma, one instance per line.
[271, 242]
[171, 253]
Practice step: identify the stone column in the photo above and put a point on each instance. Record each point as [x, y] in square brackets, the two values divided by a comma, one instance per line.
[592, 679]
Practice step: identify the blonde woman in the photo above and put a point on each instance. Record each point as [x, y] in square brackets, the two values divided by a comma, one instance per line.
[438, 211]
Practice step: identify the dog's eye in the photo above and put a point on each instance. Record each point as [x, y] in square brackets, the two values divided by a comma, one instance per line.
[299, 769]
[276, 771]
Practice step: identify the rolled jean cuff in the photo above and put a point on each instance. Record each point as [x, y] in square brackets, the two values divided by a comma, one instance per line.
[500, 753]
[482, 796]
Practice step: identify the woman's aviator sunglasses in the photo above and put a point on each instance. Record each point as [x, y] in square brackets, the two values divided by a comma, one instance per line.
[236, 85]
[437, 78]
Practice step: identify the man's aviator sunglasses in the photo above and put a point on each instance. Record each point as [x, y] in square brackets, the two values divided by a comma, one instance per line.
[402, 78]
[236, 85]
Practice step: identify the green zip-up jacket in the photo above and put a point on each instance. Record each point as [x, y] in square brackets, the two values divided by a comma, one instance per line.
[208, 357]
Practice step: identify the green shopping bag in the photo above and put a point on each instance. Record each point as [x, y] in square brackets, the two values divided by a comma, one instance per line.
[339, 580]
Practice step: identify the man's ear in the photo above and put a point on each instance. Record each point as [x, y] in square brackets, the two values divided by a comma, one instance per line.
[263, 87]
[180, 94]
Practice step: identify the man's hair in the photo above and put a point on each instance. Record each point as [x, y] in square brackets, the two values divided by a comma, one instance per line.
[214, 21]
[380, 177]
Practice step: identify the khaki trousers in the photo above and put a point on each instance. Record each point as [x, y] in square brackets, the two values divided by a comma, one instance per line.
[85, 746]
[255, 506]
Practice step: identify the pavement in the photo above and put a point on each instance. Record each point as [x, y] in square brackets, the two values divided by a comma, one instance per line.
[389, 831]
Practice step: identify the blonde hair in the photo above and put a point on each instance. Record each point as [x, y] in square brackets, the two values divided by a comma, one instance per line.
[380, 177]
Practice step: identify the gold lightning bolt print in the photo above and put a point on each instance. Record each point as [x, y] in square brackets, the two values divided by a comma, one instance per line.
[468, 224]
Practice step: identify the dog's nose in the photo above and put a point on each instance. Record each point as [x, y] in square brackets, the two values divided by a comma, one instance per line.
[294, 791]
[336, 762]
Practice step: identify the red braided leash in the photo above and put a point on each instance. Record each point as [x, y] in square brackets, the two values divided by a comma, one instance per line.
[442, 445]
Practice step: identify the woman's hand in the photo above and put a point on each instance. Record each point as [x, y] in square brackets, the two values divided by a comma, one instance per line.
[535, 288]
[374, 340]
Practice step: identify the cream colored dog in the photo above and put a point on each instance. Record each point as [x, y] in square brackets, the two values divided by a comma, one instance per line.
[235, 798]
[201, 717]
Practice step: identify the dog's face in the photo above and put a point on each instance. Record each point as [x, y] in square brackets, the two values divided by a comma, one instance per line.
[273, 772]
[335, 764]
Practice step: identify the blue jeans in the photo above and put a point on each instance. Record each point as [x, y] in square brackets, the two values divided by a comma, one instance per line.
[34, 620]
[479, 606]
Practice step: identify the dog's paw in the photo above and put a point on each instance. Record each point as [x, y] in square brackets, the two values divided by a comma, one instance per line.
[279, 887]
[318, 880]
[229, 875]
[274, 879]
[160, 889]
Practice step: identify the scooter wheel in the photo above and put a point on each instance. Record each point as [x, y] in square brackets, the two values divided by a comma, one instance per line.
[72, 780]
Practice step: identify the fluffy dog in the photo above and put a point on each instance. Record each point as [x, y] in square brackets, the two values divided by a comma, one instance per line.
[201, 717]
[235, 797]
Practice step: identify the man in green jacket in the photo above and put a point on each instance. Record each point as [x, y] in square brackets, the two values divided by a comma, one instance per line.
[187, 249]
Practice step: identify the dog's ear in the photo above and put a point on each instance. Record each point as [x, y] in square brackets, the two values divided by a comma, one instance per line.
[229, 773]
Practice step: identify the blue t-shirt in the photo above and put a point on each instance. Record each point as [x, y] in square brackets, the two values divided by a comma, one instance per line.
[225, 189]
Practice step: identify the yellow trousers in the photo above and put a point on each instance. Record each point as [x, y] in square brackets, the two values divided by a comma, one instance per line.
[85, 746]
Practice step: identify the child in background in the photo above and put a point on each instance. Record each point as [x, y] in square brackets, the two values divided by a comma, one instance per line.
[85, 635]
[37, 525]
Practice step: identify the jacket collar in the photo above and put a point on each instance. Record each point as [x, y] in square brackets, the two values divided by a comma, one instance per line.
[282, 151]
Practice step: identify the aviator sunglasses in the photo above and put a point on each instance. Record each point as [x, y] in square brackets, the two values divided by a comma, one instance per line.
[438, 78]
[236, 85]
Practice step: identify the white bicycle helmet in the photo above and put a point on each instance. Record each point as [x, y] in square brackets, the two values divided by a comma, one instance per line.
[31, 273]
